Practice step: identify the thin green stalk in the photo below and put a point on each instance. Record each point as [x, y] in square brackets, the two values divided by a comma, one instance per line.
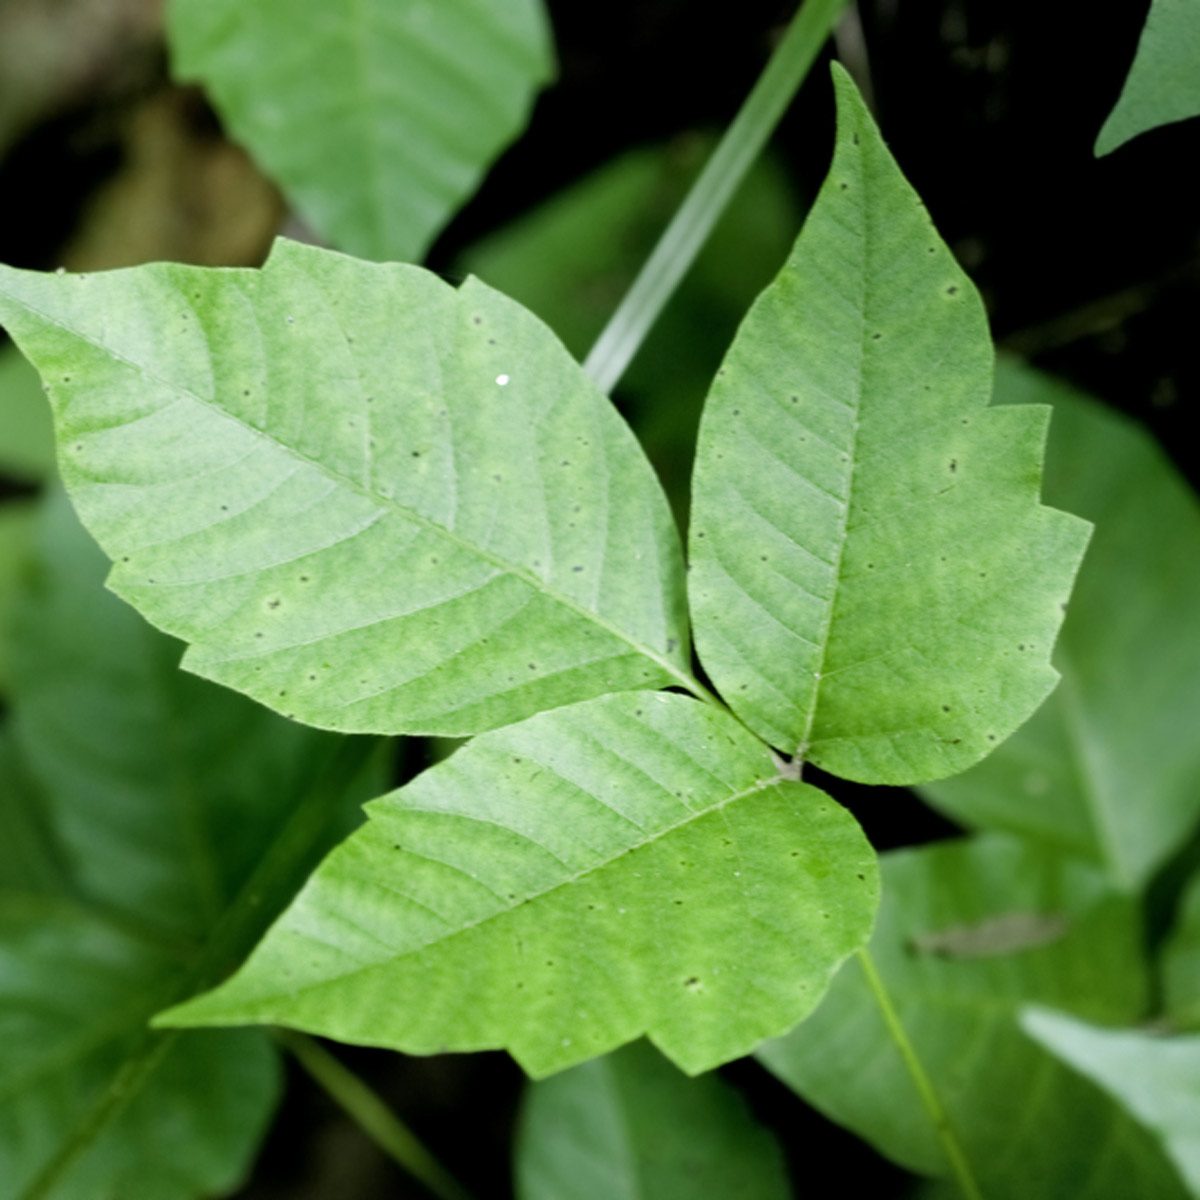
[963, 1174]
[741, 144]
[372, 1115]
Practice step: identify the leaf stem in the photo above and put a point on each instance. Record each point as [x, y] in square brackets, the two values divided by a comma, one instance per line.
[688, 230]
[924, 1085]
[371, 1114]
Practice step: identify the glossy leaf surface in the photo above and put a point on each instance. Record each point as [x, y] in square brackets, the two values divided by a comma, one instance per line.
[1157, 1079]
[371, 501]
[629, 865]
[378, 118]
[629, 1126]
[1109, 767]
[1164, 81]
[969, 932]
[874, 586]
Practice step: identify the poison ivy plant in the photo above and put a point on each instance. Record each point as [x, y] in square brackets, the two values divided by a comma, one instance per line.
[1120, 725]
[375, 502]
[1155, 1078]
[628, 1127]
[969, 933]
[377, 118]
[1164, 81]
[121, 889]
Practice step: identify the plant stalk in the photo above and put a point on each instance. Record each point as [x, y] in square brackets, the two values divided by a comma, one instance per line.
[691, 225]
[959, 1165]
[371, 1115]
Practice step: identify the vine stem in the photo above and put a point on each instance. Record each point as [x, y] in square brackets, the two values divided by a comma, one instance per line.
[371, 1114]
[961, 1168]
[689, 228]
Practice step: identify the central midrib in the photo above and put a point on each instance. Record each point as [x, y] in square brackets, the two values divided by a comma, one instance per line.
[852, 450]
[519, 572]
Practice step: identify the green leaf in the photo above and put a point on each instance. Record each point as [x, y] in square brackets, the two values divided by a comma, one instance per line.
[1164, 81]
[75, 996]
[1157, 1079]
[875, 586]
[122, 890]
[1181, 963]
[628, 865]
[378, 118]
[970, 931]
[1122, 722]
[370, 501]
[630, 1127]
[26, 435]
[16, 529]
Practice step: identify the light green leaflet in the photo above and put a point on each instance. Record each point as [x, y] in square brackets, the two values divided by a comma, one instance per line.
[1157, 1079]
[969, 932]
[378, 118]
[1110, 766]
[630, 1127]
[371, 501]
[874, 584]
[120, 887]
[1164, 81]
[628, 865]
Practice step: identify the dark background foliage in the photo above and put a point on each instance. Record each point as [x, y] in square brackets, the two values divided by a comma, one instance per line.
[1089, 267]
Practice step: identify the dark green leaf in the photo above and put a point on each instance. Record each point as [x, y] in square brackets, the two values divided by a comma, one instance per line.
[969, 932]
[1110, 766]
[629, 1126]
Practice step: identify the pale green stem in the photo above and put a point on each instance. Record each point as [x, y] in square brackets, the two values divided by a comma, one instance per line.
[959, 1165]
[741, 144]
[372, 1115]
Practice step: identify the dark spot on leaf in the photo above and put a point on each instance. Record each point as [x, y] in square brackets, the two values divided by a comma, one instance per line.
[945, 708]
[273, 603]
[691, 981]
[416, 454]
[953, 465]
[576, 569]
[303, 578]
[533, 666]
[672, 643]
[477, 320]
[952, 290]
[876, 336]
